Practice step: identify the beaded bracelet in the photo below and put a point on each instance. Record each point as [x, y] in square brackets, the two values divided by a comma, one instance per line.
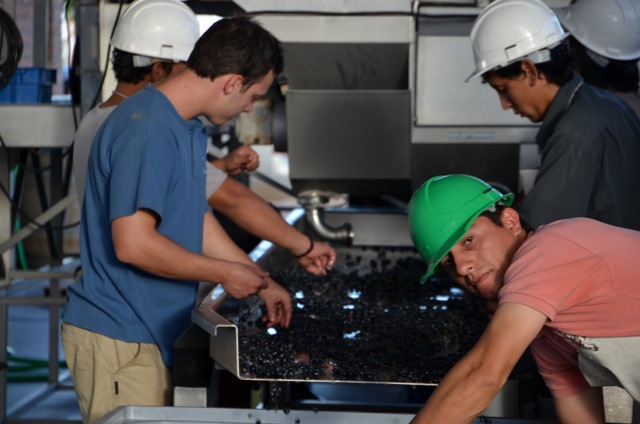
[308, 250]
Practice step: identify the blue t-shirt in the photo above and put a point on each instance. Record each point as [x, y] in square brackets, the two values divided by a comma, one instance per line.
[145, 156]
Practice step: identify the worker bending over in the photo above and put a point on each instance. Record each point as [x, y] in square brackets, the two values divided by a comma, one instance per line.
[568, 289]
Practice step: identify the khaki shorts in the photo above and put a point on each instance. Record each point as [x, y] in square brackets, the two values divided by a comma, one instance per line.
[109, 373]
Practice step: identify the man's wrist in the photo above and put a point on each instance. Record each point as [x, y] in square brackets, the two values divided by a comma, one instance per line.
[307, 251]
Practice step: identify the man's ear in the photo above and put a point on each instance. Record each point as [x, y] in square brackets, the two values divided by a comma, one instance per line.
[233, 83]
[511, 220]
[158, 72]
[530, 71]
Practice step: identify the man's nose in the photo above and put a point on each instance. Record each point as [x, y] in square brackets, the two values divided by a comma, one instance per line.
[464, 264]
[248, 108]
[505, 103]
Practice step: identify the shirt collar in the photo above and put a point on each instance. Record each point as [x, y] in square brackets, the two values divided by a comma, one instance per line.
[558, 106]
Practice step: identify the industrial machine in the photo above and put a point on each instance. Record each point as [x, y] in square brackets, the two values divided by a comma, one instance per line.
[376, 101]
[367, 337]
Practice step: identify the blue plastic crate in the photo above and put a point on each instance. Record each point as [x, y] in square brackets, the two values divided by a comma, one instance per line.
[29, 85]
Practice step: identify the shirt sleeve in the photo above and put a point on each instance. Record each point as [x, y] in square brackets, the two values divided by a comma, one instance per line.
[142, 175]
[551, 274]
[215, 178]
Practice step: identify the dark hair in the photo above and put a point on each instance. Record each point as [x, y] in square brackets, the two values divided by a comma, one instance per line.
[558, 70]
[237, 45]
[617, 75]
[122, 64]
[494, 214]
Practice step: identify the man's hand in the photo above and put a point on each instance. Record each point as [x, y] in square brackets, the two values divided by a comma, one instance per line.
[278, 303]
[319, 260]
[244, 280]
[473, 382]
[244, 158]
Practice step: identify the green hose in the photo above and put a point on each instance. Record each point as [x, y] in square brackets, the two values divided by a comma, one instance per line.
[22, 258]
[17, 366]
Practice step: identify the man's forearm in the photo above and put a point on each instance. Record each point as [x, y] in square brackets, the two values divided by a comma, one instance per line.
[459, 399]
[254, 215]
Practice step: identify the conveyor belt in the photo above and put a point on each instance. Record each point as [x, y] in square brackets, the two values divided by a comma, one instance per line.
[368, 321]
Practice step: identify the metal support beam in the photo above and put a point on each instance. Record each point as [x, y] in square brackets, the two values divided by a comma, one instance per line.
[40, 220]
[88, 24]
[40, 33]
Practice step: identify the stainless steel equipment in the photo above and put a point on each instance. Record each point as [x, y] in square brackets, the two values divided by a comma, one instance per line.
[166, 415]
[369, 323]
[377, 102]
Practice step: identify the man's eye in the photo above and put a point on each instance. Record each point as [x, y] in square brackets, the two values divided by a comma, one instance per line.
[468, 240]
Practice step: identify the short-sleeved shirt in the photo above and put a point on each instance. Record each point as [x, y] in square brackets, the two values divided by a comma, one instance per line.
[145, 156]
[581, 274]
[590, 160]
[215, 178]
[84, 137]
[86, 132]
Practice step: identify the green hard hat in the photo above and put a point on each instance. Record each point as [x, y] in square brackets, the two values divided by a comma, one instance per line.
[442, 210]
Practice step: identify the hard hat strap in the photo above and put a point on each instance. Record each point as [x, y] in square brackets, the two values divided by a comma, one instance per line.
[141, 61]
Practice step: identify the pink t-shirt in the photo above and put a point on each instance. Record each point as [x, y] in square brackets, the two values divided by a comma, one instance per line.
[582, 274]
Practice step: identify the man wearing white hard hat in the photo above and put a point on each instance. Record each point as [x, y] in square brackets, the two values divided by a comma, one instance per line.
[152, 41]
[589, 139]
[605, 38]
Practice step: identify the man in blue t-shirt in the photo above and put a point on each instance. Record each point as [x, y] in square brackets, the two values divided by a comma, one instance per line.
[147, 235]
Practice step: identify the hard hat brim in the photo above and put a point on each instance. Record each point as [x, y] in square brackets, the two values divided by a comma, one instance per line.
[475, 74]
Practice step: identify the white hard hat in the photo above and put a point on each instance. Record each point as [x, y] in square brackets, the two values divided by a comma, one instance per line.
[510, 30]
[610, 28]
[163, 29]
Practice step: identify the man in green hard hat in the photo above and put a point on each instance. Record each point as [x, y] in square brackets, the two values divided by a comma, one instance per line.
[567, 290]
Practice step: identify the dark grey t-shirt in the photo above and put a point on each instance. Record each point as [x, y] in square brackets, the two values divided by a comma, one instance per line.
[590, 160]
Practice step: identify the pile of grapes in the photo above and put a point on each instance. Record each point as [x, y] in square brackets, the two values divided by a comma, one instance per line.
[369, 320]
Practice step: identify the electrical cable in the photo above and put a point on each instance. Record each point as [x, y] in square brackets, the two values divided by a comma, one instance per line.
[68, 4]
[65, 153]
[22, 258]
[107, 61]
[4, 190]
[10, 48]
[14, 43]
[356, 13]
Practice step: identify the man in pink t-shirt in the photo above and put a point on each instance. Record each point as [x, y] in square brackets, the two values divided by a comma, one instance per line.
[569, 290]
